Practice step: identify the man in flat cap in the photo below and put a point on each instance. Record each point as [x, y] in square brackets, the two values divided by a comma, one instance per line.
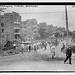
[68, 54]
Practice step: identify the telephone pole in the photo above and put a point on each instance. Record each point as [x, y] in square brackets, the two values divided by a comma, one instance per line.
[66, 15]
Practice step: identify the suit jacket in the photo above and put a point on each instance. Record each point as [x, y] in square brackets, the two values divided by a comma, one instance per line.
[69, 52]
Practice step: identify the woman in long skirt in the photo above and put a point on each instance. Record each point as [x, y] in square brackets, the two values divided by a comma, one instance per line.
[53, 51]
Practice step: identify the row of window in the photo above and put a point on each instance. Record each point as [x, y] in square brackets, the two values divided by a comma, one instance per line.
[16, 31]
[2, 30]
[16, 36]
[2, 24]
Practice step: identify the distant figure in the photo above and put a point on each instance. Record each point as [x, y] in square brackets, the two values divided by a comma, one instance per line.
[37, 47]
[68, 54]
[63, 47]
[22, 47]
[14, 46]
[34, 48]
[56, 43]
[45, 45]
[53, 51]
[29, 48]
[50, 46]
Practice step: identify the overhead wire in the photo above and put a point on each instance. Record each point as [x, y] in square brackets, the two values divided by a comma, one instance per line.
[44, 12]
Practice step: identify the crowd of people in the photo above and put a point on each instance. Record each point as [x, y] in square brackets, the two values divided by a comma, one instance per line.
[53, 45]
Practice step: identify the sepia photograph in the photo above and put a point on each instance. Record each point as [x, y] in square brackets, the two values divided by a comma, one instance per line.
[37, 38]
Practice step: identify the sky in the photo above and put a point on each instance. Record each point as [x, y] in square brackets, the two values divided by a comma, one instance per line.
[51, 14]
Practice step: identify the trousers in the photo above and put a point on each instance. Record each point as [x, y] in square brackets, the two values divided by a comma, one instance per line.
[68, 57]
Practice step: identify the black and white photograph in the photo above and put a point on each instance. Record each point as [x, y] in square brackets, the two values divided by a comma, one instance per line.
[37, 37]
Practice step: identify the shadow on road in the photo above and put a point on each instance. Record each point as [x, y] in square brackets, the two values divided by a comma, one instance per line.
[44, 57]
[30, 57]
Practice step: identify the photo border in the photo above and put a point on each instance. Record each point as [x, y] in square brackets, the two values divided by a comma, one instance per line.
[37, 3]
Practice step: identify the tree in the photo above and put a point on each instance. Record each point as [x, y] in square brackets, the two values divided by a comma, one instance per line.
[70, 33]
[42, 33]
[49, 30]
[43, 30]
[42, 25]
[28, 28]
[30, 22]
[57, 34]
[65, 33]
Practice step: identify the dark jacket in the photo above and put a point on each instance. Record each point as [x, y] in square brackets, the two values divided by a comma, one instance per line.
[29, 47]
[69, 52]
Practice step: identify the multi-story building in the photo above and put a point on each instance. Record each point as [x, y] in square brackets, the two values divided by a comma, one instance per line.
[17, 30]
[9, 26]
[2, 28]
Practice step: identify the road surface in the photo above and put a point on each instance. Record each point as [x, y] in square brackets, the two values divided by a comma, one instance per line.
[36, 61]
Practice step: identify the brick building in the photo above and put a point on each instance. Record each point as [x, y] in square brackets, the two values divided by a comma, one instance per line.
[9, 26]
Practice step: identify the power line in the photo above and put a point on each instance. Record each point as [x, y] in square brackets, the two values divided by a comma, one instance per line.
[45, 12]
[39, 12]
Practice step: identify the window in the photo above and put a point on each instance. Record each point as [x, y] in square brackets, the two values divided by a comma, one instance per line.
[2, 24]
[17, 36]
[2, 36]
[7, 20]
[16, 30]
[2, 30]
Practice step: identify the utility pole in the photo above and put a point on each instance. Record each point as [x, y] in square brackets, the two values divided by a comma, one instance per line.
[66, 15]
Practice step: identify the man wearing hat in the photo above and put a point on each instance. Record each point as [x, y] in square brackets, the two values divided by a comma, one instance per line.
[68, 54]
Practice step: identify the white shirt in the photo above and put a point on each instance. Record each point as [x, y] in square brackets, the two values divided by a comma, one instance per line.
[22, 45]
[53, 49]
[14, 44]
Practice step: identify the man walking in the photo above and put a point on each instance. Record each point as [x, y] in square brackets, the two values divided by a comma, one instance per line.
[22, 47]
[34, 48]
[68, 54]
[29, 48]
